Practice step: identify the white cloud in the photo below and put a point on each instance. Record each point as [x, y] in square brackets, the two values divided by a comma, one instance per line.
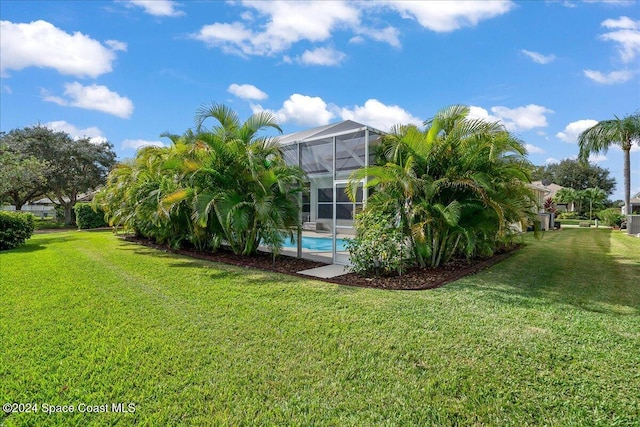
[314, 111]
[40, 44]
[538, 57]
[634, 148]
[574, 129]
[448, 16]
[479, 113]
[302, 110]
[93, 133]
[378, 115]
[389, 35]
[624, 22]
[286, 23]
[626, 35]
[513, 119]
[533, 149]
[613, 2]
[551, 160]
[522, 118]
[94, 97]
[270, 27]
[597, 158]
[247, 91]
[613, 77]
[138, 143]
[322, 56]
[158, 7]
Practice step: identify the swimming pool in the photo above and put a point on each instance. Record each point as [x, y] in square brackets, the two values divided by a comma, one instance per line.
[319, 244]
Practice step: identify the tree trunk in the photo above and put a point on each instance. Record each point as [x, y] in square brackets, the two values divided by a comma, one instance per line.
[627, 179]
[69, 218]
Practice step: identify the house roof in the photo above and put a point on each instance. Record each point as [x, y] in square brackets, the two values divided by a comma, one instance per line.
[551, 188]
[84, 197]
[323, 131]
[538, 187]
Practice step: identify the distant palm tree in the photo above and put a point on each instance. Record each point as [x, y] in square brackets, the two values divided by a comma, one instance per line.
[569, 196]
[596, 196]
[622, 132]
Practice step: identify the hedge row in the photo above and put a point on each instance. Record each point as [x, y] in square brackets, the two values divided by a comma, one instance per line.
[86, 217]
[15, 229]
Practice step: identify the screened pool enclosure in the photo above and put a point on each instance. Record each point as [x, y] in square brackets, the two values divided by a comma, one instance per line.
[328, 155]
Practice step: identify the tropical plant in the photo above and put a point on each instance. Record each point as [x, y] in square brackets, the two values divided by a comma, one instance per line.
[621, 132]
[457, 186]
[596, 198]
[611, 217]
[238, 183]
[219, 185]
[549, 205]
[569, 196]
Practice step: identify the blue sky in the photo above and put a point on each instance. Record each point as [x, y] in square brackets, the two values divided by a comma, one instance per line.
[127, 71]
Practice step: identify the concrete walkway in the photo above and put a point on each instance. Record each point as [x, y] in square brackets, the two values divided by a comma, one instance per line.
[327, 271]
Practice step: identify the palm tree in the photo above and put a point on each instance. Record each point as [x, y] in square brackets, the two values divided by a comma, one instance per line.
[596, 196]
[237, 182]
[622, 132]
[455, 187]
[569, 196]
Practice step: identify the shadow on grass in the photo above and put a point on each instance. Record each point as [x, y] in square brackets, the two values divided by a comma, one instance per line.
[572, 267]
[40, 243]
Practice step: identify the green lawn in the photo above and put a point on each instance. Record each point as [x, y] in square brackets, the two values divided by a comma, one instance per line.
[551, 336]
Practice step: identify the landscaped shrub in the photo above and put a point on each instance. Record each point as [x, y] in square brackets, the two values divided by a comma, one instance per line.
[15, 229]
[567, 215]
[457, 186]
[379, 247]
[86, 217]
[611, 217]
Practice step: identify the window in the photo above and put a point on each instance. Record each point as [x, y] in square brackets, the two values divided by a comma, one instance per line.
[325, 203]
[344, 206]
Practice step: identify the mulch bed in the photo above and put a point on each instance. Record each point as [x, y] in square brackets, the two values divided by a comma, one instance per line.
[413, 279]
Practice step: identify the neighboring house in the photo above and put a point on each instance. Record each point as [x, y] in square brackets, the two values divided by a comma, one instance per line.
[45, 207]
[42, 208]
[542, 193]
[552, 190]
[635, 206]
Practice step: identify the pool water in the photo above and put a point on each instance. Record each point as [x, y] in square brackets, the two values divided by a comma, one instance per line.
[320, 244]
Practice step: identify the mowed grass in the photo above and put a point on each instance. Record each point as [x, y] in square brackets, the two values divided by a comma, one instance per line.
[551, 336]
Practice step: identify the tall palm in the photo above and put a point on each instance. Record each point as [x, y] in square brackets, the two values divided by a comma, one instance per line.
[621, 132]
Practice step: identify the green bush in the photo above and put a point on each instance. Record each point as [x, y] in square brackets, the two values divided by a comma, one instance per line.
[378, 248]
[15, 229]
[567, 215]
[86, 217]
[611, 217]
